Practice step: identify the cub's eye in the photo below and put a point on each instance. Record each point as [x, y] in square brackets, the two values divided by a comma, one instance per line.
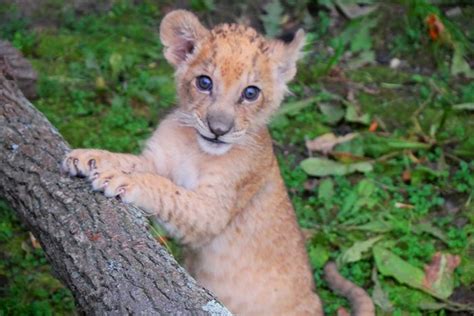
[204, 83]
[250, 93]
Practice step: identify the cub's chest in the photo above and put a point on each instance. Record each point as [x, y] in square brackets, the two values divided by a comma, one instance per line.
[185, 173]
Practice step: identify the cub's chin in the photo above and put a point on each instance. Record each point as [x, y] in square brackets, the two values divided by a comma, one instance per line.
[212, 147]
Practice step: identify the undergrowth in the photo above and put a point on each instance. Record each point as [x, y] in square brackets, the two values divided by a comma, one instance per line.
[402, 187]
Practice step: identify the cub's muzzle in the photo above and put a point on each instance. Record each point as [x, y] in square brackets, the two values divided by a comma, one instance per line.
[220, 123]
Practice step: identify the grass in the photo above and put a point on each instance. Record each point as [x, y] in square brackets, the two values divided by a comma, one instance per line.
[104, 83]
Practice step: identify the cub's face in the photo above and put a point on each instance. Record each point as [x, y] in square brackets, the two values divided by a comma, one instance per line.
[229, 79]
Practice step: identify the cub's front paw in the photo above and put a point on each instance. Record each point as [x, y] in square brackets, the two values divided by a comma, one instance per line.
[83, 162]
[115, 183]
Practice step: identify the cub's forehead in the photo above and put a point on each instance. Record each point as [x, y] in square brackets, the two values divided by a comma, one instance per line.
[236, 50]
[237, 35]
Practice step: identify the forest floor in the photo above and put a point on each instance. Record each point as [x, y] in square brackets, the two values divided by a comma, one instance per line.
[375, 143]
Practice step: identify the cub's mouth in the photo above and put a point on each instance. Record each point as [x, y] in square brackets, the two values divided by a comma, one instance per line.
[212, 140]
[213, 145]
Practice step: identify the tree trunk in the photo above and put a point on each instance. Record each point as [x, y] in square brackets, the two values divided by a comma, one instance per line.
[98, 247]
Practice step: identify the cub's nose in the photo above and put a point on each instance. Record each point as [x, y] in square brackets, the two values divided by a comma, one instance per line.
[220, 124]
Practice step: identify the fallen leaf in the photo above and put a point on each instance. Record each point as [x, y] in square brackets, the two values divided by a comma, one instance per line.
[389, 264]
[377, 226]
[436, 28]
[326, 189]
[353, 10]
[374, 145]
[321, 167]
[432, 306]
[373, 126]
[354, 253]
[439, 273]
[464, 106]
[427, 227]
[364, 58]
[437, 280]
[459, 65]
[292, 108]
[403, 205]
[333, 113]
[406, 176]
[34, 242]
[379, 297]
[326, 142]
[347, 157]
[354, 117]
[318, 256]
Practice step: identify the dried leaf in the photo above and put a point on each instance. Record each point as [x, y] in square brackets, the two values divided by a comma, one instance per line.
[355, 9]
[326, 142]
[373, 126]
[34, 242]
[404, 206]
[406, 176]
[439, 274]
[347, 157]
[436, 28]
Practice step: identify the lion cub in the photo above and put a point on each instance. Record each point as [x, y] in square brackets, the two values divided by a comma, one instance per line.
[209, 172]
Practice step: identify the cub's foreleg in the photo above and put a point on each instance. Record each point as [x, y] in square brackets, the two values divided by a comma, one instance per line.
[91, 162]
[192, 216]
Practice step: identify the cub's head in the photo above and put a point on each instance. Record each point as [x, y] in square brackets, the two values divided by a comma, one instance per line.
[229, 79]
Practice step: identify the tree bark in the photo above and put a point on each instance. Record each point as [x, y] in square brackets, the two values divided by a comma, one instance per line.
[98, 247]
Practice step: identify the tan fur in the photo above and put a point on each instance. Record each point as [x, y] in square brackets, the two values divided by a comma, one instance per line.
[227, 204]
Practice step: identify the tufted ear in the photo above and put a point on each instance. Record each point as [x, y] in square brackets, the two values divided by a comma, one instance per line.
[286, 55]
[179, 32]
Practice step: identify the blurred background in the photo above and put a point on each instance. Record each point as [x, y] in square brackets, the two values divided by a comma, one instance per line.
[375, 142]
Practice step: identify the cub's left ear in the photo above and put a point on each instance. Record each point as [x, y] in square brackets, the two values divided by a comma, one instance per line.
[286, 55]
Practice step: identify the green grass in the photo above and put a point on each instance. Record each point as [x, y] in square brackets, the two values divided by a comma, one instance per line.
[104, 83]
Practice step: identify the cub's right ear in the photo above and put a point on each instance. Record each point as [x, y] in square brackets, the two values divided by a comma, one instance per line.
[179, 32]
